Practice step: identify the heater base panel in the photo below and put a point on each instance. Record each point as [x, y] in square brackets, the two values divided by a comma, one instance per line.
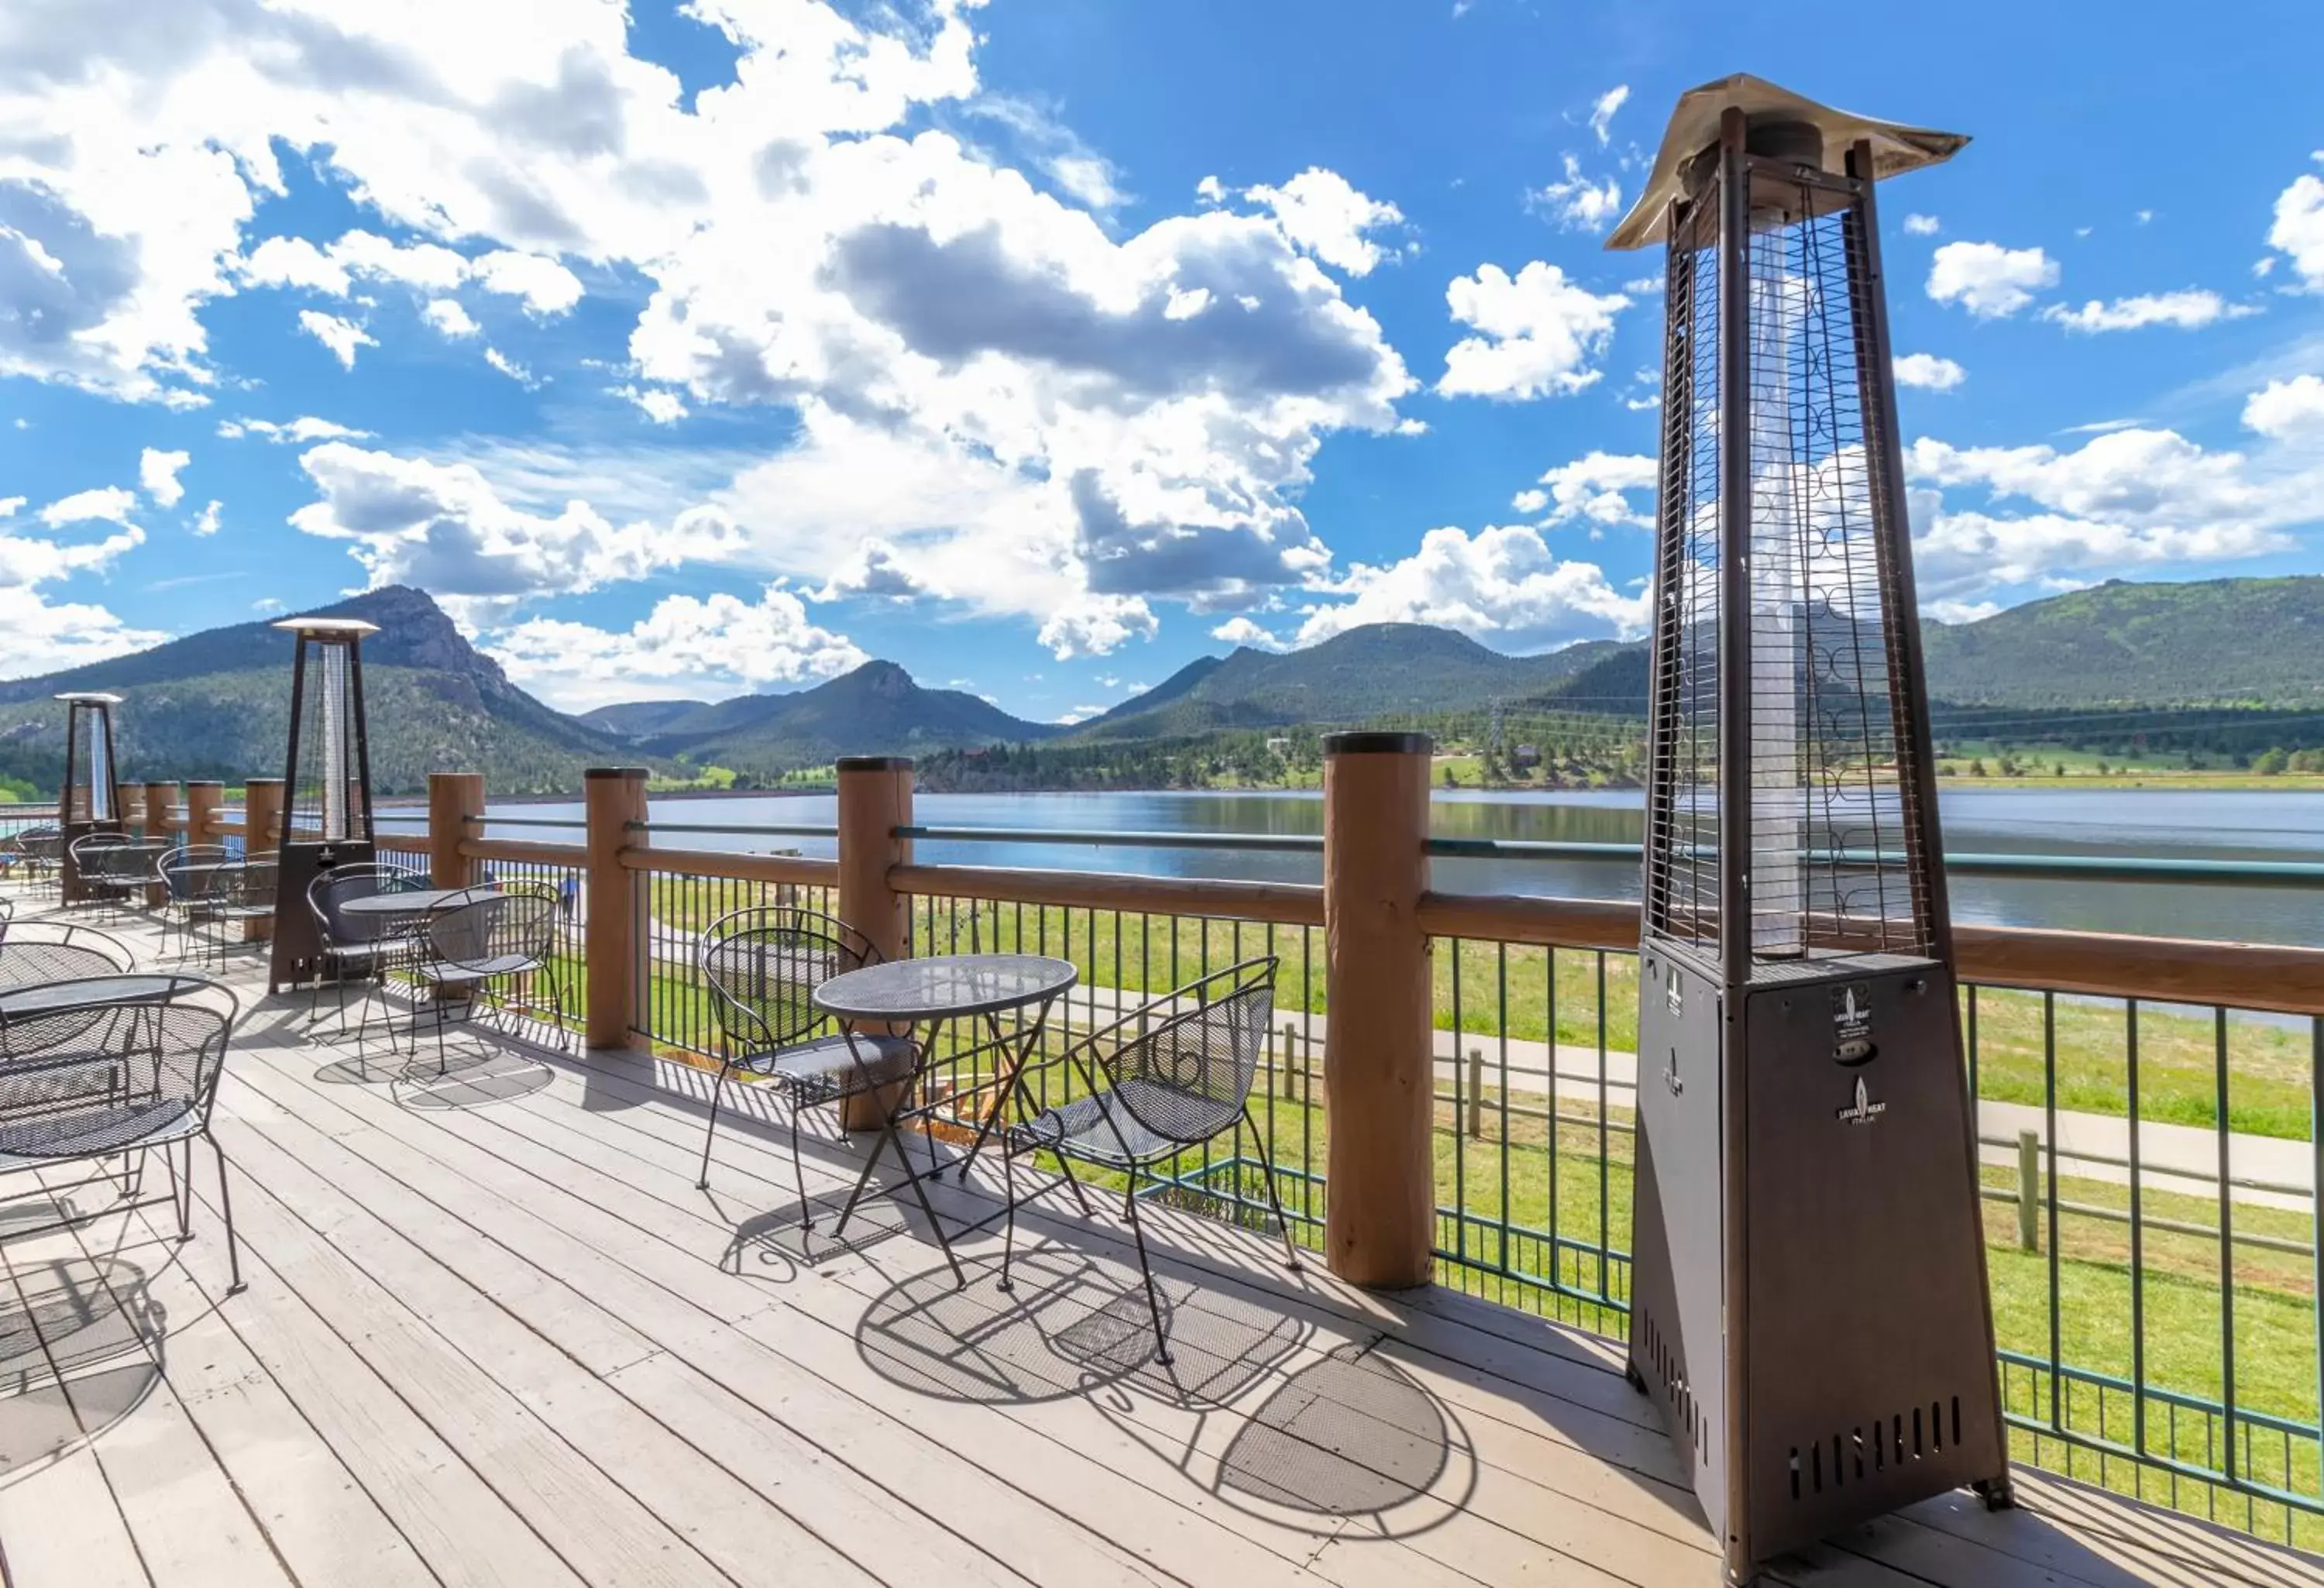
[1809, 1293]
[298, 950]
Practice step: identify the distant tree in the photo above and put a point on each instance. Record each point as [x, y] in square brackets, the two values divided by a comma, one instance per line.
[2271, 763]
[1976, 766]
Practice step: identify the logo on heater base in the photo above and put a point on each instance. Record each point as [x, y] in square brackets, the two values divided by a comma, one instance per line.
[1863, 1110]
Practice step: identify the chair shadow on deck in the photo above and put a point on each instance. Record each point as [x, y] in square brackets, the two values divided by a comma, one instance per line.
[1305, 1443]
[80, 1339]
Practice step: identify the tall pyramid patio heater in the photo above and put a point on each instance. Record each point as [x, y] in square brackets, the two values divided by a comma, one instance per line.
[91, 798]
[1807, 1295]
[327, 821]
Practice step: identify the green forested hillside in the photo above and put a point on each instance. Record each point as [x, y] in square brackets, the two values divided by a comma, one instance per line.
[217, 705]
[875, 710]
[2255, 642]
[1368, 675]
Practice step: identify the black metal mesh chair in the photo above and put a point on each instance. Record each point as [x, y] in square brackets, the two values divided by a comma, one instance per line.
[98, 860]
[231, 898]
[51, 951]
[762, 966]
[498, 935]
[360, 945]
[185, 872]
[35, 856]
[1167, 1076]
[82, 1081]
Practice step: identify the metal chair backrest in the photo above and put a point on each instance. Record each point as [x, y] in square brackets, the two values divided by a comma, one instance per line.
[39, 951]
[328, 893]
[79, 1082]
[176, 871]
[1196, 1061]
[763, 965]
[41, 844]
[518, 922]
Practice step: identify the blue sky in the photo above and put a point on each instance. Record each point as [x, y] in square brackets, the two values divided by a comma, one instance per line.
[1044, 345]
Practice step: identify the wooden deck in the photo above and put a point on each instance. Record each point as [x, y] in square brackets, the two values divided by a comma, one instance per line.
[494, 1334]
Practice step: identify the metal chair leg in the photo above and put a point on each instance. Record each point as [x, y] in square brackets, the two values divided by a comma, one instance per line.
[1266, 1169]
[1009, 1228]
[798, 1168]
[226, 1206]
[1153, 1304]
[717, 1092]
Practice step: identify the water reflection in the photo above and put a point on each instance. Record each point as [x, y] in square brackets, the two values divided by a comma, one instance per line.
[2225, 824]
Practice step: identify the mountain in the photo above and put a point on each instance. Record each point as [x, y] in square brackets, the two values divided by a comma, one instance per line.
[875, 710]
[640, 719]
[217, 705]
[1381, 670]
[2242, 642]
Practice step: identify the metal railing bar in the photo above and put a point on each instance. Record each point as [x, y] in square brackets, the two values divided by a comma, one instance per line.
[747, 830]
[2084, 867]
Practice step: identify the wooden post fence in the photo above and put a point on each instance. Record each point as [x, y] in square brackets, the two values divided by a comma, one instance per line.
[452, 799]
[612, 797]
[203, 800]
[875, 798]
[1379, 1084]
[262, 815]
[161, 802]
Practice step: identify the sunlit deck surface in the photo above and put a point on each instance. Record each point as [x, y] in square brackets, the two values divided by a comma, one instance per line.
[494, 1334]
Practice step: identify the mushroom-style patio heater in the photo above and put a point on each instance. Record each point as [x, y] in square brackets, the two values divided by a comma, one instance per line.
[90, 799]
[327, 818]
[1807, 1295]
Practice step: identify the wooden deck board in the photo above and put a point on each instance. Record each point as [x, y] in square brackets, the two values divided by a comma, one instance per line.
[496, 1335]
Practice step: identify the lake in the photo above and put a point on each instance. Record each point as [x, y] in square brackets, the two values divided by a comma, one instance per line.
[2207, 824]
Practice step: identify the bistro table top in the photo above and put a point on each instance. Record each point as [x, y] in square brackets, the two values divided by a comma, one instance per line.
[412, 901]
[944, 986]
[87, 993]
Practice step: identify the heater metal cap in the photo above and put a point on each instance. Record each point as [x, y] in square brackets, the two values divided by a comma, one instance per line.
[327, 628]
[90, 697]
[1694, 128]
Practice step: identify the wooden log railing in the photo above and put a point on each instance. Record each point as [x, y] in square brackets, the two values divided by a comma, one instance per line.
[876, 873]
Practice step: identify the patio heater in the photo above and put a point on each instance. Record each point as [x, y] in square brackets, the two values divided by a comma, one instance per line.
[1808, 1289]
[326, 819]
[91, 798]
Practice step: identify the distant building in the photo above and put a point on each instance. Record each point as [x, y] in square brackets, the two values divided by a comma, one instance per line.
[1279, 746]
[1524, 755]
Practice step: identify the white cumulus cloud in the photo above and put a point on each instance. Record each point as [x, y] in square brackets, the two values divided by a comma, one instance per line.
[547, 287]
[1500, 586]
[342, 336]
[1243, 631]
[1579, 204]
[1929, 371]
[1987, 280]
[2188, 309]
[1602, 111]
[2297, 231]
[1540, 333]
[686, 647]
[448, 319]
[158, 471]
[1324, 214]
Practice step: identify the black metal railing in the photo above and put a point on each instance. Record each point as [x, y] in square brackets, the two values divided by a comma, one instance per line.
[2158, 1310]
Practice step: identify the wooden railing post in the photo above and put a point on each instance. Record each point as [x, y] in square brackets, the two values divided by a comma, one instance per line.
[262, 815]
[160, 799]
[203, 800]
[612, 797]
[452, 799]
[875, 798]
[1380, 1081]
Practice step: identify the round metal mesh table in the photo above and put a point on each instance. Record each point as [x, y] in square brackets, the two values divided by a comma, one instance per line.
[85, 992]
[944, 987]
